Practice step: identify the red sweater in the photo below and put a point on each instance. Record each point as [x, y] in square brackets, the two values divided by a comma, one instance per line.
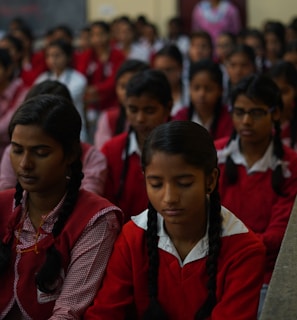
[181, 290]
[134, 198]
[254, 202]
[101, 75]
[20, 276]
[224, 126]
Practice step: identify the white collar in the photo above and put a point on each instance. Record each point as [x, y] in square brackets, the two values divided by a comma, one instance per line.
[268, 161]
[231, 225]
[133, 145]
[197, 119]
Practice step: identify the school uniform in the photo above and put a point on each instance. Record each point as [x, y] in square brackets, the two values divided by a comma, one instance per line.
[101, 75]
[224, 126]
[106, 126]
[133, 198]
[85, 244]
[252, 198]
[182, 285]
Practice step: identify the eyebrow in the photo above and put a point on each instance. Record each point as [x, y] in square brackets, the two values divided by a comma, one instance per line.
[186, 175]
[39, 146]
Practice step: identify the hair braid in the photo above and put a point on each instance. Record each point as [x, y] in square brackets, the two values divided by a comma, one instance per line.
[278, 150]
[125, 166]
[231, 172]
[214, 240]
[50, 270]
[154, 310]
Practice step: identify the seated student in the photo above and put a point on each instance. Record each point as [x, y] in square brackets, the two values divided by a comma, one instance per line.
[240, 63]
[59, 60]
[100, 65]
[206, 107]
[55, 238]
[285, 76]
[113, 121]
[148, 104]
[170, 60]
[258, 173]
[290, 54]
[12, 93]
[186, 256]
[93, 161]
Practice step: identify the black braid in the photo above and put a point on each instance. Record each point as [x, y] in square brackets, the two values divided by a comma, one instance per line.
[293, 126]
[214, 241]
[278, 150]
[154, 310]
[125, 167]
[231, 172]
[5, 248]
[49, 272]
[121, 121]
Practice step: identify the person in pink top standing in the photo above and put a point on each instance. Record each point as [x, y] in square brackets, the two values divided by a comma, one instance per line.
[216, 16]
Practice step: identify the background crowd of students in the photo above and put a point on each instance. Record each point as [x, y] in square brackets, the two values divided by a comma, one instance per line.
[125, 82]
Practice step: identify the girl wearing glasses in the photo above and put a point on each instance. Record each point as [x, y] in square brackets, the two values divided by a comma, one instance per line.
[258, 173]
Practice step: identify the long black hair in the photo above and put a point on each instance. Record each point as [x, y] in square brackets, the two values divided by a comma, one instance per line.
[195, 145]
[260, 88]
[51, 113]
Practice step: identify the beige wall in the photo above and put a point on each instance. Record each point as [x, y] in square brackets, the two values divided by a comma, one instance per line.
[158, 11]
[260, 11]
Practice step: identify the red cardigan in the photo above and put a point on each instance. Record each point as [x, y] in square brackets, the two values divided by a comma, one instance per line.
[255, 203]
[24, 267]
[101, 75]
[224, 127]
[134, 198]
[181, 290]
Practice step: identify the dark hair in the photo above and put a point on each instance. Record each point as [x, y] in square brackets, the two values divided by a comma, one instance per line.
[291, 47]
[5, 58]
[133, 66]
[195, 145]
[65, 29]
[171, 51]
[101, 24]
[152, 83]
[16, 42]
[215, 73]
[49, 87]
[65, 46]
[260, 88]
[51, 113]
[26, 31]
[255, 33]
[288, 72]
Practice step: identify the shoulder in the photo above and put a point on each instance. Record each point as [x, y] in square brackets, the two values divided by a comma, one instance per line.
[221, 143]
[116, 143]
[182, 114]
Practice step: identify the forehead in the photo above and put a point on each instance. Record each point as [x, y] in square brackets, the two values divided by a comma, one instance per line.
[165, 164]
[242, 101]
[32, 135]
[143, 100]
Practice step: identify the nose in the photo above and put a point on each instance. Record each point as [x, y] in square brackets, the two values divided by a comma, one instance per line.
[247, 118]
[140, 117]
[171, 194]
[26, 162]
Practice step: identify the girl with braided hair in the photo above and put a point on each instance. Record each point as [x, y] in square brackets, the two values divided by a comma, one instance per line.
[148, 104]
[186, 257]
[259, 173]
[55, 237]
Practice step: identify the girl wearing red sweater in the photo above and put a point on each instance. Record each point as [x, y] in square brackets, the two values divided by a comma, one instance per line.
[206, 108]
[148, 104]
[259, 173]
[186, 257]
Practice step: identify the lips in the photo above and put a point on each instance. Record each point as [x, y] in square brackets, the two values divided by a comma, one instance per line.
[27, 179]
[172, 212]
[246, 133]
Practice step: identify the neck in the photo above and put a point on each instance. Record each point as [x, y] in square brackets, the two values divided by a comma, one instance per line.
[254, 151]
[205, 116]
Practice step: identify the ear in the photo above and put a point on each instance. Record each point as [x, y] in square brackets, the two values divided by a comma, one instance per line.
[211, 180]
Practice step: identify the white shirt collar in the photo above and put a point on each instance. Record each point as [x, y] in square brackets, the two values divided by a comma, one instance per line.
[230, 226]
[197, 119]
[133, 145]
[268, 161]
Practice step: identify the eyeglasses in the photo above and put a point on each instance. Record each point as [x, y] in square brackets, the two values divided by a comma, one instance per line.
[255, 114]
